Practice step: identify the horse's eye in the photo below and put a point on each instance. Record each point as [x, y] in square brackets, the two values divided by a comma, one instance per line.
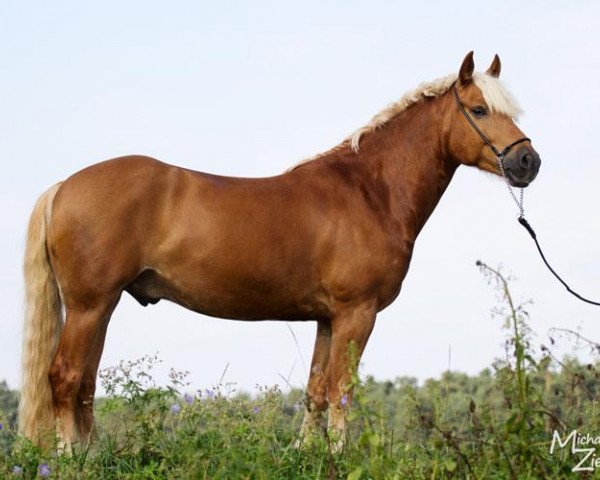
[479, 111]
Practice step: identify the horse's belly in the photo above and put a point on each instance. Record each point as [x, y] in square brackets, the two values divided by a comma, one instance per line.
[240, 297]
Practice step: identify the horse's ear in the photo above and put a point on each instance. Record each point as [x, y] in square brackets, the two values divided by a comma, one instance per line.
[466, 69]
[495, 67]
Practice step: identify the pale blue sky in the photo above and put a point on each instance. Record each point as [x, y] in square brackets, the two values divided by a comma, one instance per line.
[250, 89]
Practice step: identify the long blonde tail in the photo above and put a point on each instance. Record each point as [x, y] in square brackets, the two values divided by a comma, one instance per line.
[42, 326]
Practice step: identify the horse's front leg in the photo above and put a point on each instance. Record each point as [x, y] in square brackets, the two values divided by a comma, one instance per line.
[316, 391]
[351, 329]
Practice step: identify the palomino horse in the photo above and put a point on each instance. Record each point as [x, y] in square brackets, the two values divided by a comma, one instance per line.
[330, 240]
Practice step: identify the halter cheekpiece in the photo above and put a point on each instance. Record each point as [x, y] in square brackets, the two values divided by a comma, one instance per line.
[499, 154]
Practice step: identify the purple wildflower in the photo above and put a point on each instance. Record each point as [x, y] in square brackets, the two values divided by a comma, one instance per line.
[17, 471]
[210, 393]
[44, 470]
[189, 399]
[256, 410]
[344, 400]
[175, 408]
[1, 426]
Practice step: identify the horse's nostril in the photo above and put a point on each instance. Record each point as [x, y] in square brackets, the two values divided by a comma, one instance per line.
[526, 161]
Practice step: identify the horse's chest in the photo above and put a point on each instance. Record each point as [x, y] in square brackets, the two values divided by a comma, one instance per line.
[373, 268]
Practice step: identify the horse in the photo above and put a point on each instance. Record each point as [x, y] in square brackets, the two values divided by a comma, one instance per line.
[329, 240]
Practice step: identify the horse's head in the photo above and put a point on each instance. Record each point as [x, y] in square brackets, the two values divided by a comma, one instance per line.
[482, 126]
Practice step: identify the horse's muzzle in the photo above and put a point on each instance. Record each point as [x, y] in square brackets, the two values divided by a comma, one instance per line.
[522, 166]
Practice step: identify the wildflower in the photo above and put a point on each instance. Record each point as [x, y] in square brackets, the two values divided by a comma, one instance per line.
[1, 426]
[344, 400]
[175, 408]
[16, 471]
[44, 470]
[256, 410]
[209, 393]
[189, 399]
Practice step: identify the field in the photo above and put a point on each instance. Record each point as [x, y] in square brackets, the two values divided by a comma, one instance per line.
[499, 424]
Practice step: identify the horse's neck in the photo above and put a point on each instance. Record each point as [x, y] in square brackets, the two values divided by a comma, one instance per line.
[408, 158]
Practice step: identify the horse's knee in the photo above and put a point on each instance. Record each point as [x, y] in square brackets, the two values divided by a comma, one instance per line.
[316, 393]
[316, 401]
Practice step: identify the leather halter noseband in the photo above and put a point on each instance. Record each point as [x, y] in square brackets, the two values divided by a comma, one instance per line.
[499, 154]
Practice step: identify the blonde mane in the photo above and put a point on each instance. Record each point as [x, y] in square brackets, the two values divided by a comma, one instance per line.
[431, 89]
[496, 96]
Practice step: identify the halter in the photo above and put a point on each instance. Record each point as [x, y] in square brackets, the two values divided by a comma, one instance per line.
[499, 154]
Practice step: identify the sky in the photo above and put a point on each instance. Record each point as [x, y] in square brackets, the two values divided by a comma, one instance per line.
[251, 88]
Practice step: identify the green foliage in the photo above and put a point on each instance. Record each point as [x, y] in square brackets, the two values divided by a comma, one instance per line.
[495, 425]
[9, 401]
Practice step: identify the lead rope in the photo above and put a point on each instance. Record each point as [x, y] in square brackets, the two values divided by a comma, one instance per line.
[523, 221]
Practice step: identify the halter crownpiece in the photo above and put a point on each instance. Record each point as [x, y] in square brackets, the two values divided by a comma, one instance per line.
[499, 154]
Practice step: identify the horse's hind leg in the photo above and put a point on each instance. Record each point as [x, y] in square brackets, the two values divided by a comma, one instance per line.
[84, 328]
[316, 391]
[87, 389]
